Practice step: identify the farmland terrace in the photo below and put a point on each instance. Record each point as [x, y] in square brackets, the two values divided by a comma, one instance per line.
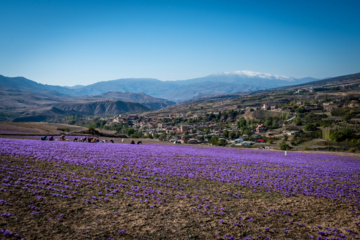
[58, 190]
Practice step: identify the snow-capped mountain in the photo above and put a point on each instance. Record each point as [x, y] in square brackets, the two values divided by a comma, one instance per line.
[251, 74]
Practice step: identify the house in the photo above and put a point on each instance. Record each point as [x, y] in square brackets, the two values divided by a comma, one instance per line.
[184, 128]
[256, 136]
[265, 106]
[260, 140]
[290, 133]
[133, 117]
[238, 140]
[300, 91]
[246, 143]
[261, 128]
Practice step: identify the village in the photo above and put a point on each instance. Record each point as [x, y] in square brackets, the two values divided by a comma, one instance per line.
[300, 119]
[209, 128]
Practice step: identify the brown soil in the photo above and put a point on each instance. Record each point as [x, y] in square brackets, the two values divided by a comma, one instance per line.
[38, 128]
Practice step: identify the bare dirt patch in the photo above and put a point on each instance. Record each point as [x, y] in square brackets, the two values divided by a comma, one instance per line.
[38, 128]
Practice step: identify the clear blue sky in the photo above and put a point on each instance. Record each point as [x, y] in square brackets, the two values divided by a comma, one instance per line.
[73, 42]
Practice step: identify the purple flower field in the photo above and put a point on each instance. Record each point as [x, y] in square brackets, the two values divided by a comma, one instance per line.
[129, 191]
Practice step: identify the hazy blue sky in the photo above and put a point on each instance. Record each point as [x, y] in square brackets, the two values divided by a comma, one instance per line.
[81, 42]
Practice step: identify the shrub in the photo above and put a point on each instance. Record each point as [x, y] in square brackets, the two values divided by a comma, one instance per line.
[352, 150]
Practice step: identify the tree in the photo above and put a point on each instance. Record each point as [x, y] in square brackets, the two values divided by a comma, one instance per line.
[269, 121]
[342, 135]
[225, 133]
[347, 117]
[286, 137]
[241, 123]
[284, 146]
[92, 131]
[214, 140]
[233, 135]
[130, 131]
[136, 134]
[221, 142]
[300, 109]
[310, 127]
[163, 135]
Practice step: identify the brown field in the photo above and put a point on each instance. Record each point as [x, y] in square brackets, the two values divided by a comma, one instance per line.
[36, 128]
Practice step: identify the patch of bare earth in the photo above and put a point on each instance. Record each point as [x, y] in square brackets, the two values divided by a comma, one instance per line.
[37, 128]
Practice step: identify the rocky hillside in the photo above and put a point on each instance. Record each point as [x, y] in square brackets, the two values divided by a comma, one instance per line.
[100, 108]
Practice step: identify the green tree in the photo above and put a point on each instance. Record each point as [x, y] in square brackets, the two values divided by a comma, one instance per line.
[221, 142]
[130, 131]
[233, 135]
[284, 145]
[225, 133]
[214, 140]
[300, 109]
[163, 135]
[92, 131]
[136, 134]
[241, 123]
[342, 135]
[347, 117]
[310, 127]
[298, 122]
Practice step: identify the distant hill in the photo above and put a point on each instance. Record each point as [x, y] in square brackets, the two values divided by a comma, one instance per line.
[25, 100]
[176, 91]
[330, 83]
[147, 100]
[26, 85]
[181, 90]
[100, 108]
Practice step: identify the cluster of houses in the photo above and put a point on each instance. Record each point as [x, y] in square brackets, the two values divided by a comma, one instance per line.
[169, 129]
[186, 133]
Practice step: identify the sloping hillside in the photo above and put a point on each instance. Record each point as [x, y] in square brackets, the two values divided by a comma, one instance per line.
[98, 108]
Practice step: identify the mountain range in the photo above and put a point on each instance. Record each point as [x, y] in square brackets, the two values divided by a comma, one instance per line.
[29, 99]
[176, 91]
